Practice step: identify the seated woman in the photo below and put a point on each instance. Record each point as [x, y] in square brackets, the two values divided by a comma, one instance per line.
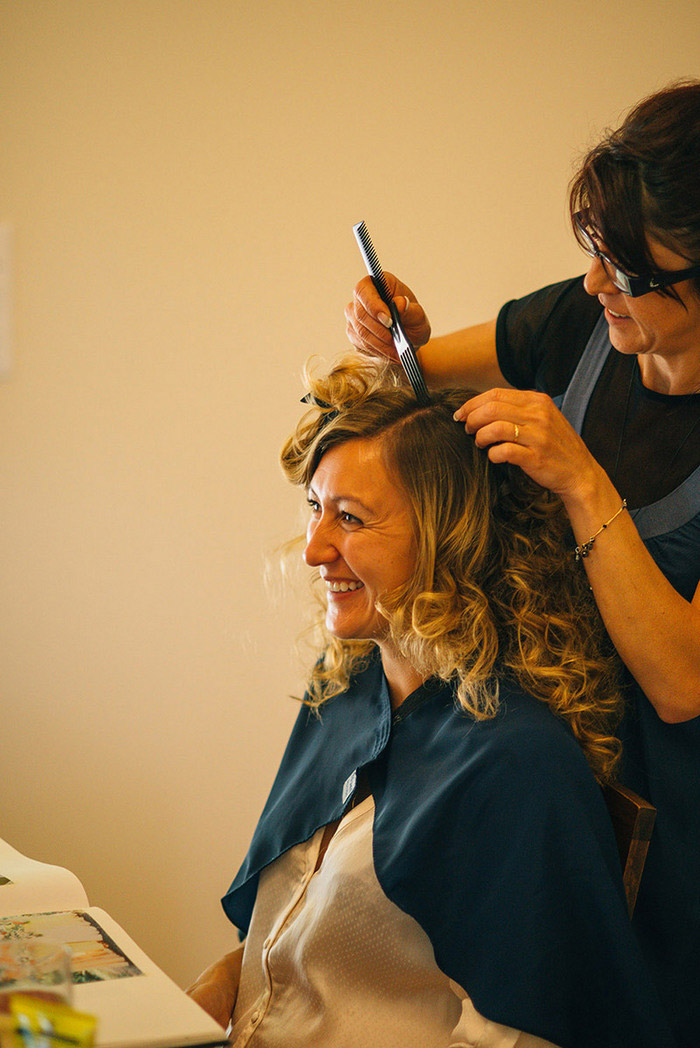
[435, 865]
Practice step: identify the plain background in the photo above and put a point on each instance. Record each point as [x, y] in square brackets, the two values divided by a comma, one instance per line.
[180, 180]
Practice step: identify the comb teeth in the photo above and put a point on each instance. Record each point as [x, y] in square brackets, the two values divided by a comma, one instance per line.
[414, 375]
[371, 259]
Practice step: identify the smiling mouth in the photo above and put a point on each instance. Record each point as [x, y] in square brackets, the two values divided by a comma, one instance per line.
[618, 316]
[343, 587]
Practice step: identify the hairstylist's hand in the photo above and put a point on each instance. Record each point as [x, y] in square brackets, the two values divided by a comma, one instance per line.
[368, 320]
[216, 988]
[528, 430]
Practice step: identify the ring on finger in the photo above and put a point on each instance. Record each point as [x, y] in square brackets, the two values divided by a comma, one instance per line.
[516, 427]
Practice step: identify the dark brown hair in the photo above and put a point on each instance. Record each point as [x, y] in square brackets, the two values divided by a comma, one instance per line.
[644, 180]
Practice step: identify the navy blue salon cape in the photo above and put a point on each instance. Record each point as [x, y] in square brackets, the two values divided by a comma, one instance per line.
[494, 836]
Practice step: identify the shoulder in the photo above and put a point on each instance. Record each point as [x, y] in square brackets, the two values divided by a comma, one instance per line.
[524, 721]
[541, 303]
[530, 745]
[541, 336]
[536, 749]
[523, 772]
[525, 747]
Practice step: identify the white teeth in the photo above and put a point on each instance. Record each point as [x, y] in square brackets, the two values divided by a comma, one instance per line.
[343, 587]
[620, 315]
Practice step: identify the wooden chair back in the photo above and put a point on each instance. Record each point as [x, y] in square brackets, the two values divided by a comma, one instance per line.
[633, 821]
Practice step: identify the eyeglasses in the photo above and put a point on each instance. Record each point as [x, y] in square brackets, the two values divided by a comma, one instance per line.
[625, 282]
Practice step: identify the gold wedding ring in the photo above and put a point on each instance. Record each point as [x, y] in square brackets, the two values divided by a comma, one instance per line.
[517, 430]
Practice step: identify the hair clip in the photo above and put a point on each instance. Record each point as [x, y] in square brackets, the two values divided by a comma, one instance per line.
[331, 413]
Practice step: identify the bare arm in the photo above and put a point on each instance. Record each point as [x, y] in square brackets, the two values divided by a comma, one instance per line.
[655, 631]
[216, 989]
[464, 358]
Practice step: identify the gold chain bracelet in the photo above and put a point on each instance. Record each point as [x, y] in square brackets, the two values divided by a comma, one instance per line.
[585, 548]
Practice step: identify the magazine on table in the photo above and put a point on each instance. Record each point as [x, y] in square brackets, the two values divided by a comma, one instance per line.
[137, 1005]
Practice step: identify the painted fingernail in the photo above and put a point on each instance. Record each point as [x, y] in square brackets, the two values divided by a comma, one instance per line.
[384, 319]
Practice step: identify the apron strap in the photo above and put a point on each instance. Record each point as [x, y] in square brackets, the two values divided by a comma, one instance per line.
[680, 505]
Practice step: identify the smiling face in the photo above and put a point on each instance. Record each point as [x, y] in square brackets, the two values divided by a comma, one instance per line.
[360, 536]
[653, 324]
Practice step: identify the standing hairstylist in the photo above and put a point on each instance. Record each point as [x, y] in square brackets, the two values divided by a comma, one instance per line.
[593, 388]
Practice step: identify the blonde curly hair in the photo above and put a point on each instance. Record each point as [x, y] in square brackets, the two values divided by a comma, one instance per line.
[494, 591]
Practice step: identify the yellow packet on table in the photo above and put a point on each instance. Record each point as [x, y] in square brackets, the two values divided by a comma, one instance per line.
[8, 1025]
[40, 1023]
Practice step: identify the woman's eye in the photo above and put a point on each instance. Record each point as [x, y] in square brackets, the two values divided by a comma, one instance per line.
[347, 518]
[313, 505]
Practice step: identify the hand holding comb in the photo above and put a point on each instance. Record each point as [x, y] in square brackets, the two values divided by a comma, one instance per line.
[406, 352]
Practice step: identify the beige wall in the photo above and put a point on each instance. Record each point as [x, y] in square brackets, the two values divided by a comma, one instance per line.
[181, 179]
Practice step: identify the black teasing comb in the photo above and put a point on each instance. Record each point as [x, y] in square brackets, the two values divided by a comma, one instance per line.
[406, 352]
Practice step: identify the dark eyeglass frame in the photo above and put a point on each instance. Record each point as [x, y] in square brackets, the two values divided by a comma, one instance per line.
[633, 286]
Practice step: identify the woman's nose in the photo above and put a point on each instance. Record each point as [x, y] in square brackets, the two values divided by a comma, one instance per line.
[319, 547]
[597, 281]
